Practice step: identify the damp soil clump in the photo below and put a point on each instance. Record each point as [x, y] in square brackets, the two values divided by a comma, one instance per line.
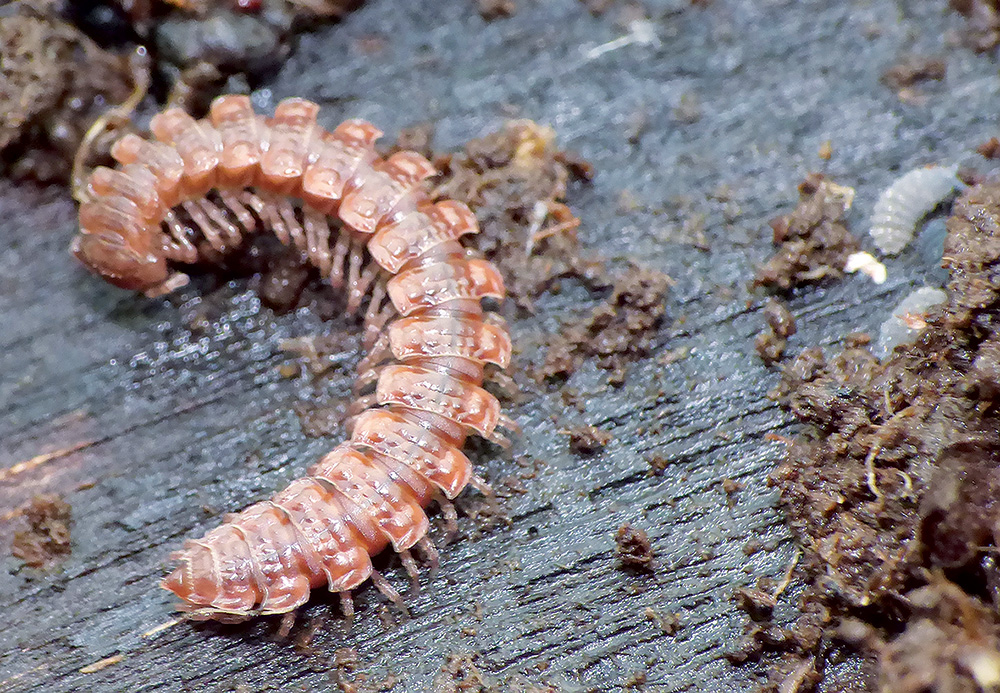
[982, 26]
[780, 325]
[892, 491]
[634, 550]
[55, 81]
[913, 69]
[44, 536]
[587, 440]
[622, 329]
[516, 181]
[813, 241]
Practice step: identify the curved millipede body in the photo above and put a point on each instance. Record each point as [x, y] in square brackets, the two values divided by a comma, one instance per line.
[198, 190]
[904, 203]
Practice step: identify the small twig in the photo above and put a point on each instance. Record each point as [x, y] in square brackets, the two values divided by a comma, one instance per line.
[101, 664]
[163, 626]
[870, 466]
[787, 579]
[641, 32]
[39, 460]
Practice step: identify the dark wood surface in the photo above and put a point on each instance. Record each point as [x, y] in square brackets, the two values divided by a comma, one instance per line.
[159, 416]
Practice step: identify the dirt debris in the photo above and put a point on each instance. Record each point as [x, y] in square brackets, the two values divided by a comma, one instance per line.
[54, 83]
[771, 342]
[45, 538]
[516, 180]
[416, 138]
[460, 674]
[911, 70]
[496, 9]
[587, 440]
[990, 149]
[892, 491]
[813, 240]
[598, 7]
[951, 643]
[657, 464]
[982, 28]
[633, 548]
[620, 330]
[668, 623]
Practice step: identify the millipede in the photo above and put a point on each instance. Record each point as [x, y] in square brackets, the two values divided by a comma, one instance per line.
[198, 189]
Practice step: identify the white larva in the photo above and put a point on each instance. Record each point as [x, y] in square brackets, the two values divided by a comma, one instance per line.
[906, 202]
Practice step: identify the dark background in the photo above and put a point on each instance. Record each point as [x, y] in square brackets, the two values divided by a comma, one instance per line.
[190, 418]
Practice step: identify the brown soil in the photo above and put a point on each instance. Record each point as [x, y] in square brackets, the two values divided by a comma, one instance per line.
[634, 550]
[813, 242]
[516, 180]
[54, 83]
[982, 29]
[770, 344]
[461, 675]
[892, 491]
[496, 9]
[46, 537]
[913, 69]
[587, 440]
[620, 330]
[990, 149]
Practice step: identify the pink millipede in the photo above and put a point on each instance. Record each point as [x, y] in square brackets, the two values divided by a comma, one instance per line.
[197, 190]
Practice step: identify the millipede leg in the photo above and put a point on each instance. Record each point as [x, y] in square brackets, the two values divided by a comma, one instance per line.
[498, 438]
[318, 241]
[365, 281]
[340, 251]
[204, 225]
[183, 249]
[238, 210]
[509, 424]
[298, 235]
[347, 606]
[376, 354]
[479, 483]
[431, 554]
[378, 295]
[375, 327]
[450, 518]
[503, 381]
[406, 558]
[360, 404]
[268, 212]
[354, 263]
[218, 217]
[286, 625]
[364, 380]
[388, 591]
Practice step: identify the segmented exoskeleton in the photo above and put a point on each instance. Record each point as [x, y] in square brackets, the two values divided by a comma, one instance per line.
[200, 189]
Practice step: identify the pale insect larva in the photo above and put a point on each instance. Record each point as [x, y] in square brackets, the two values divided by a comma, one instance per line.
[203, 186]
[908, 200]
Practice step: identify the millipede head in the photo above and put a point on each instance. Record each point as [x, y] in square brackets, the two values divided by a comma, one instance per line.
[111, 257]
